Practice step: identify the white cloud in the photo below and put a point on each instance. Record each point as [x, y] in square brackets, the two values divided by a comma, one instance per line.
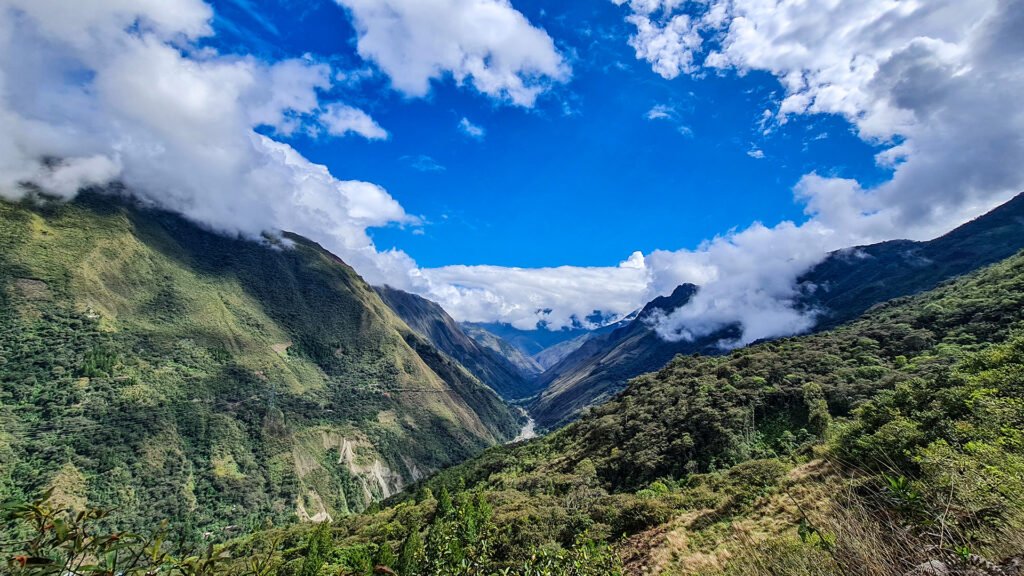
[669, 46]
[756, 153]
[667, 113]
[340, 119]
[487, 43]
[120, 89]
[95, 91]
[525, 296]
[661, 112]
[471, 130]
[936, 83]
[423, 163]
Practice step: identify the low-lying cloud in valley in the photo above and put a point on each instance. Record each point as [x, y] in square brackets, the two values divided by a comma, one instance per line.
[125, 90]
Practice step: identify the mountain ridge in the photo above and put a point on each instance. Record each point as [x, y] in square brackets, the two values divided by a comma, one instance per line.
[165, 371]
[431, 321]
[843, 286]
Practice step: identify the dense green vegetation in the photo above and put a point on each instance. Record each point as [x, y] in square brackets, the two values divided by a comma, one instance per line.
[163, 371]
[872, 449]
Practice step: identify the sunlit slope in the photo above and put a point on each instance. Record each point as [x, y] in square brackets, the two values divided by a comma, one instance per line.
[429, 320]
[165, 371]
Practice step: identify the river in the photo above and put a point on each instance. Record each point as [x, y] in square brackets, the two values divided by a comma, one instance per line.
[529, 431]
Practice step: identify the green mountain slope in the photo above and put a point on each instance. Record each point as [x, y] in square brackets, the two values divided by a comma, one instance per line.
[887, 444]
[601, 366]
[884, 445]
[164, 371]
[431, 321]
[850, 281]
[833, 453]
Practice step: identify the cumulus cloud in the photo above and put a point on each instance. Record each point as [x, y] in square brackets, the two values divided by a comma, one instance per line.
[486, 43]
[935, 84]
[98, 91]
[471, 130]
[95, 91]
[524, 297]
[669, 46]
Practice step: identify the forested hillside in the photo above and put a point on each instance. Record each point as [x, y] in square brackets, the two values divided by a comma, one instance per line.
[600, 368]
[850, 281]
[882, 446]
[870, 449]
[166, 372]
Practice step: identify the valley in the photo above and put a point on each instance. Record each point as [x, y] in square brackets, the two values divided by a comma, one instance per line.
[152, 369]
[511, 288]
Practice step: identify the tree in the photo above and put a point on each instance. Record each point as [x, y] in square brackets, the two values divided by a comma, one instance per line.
[318, 548]
[818, 416]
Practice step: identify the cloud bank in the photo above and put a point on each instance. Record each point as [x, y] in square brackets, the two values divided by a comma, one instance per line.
[935, 83]
[95, 91]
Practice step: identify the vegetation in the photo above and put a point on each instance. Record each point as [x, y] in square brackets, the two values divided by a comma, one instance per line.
[839, 289]
[889, 445]
[904, 423]
[161, 371]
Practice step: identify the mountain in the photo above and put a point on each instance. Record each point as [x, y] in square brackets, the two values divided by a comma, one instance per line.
[530, 342]
[830, 453]
[554, 354]
[843, 286]
[889, 445]
[160, 370]
[538, 350]
[850, 281]
[429, 320]
[602, 365]
[523, 362]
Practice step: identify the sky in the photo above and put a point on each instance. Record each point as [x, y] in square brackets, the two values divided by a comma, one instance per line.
[531, 162]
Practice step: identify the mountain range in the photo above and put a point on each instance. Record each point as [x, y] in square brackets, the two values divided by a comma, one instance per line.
[429, 320]
[162, 371]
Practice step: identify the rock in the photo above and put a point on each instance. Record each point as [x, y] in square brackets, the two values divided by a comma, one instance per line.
[931, 568]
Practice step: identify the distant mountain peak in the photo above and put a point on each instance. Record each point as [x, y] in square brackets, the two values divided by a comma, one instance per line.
[668, 304]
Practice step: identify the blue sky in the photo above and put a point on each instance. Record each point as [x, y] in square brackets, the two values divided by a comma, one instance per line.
[584, 178]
